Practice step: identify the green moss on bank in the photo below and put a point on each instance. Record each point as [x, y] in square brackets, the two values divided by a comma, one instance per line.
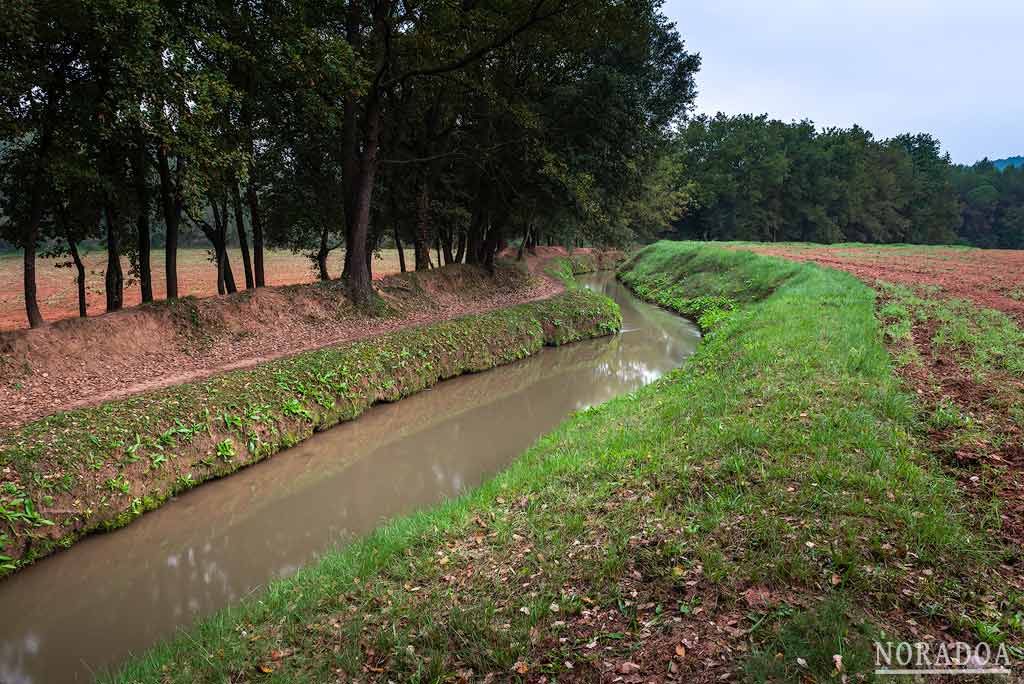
[759, 502]
[98, 468]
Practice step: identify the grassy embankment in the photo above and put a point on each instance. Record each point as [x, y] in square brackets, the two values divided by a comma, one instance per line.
[98, 468]
[765, 508]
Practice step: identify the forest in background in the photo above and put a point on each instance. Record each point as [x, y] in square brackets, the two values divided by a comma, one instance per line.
[754, 178]
[320, 125]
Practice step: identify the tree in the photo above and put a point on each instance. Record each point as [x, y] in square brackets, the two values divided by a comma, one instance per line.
[752, 178]
[456, 128]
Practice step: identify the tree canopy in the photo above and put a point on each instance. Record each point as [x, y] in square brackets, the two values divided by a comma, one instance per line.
[316, 124]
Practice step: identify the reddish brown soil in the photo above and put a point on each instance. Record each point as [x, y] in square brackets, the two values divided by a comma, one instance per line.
[984, 468]
[78, 362]
[992, 278]
[197, 276]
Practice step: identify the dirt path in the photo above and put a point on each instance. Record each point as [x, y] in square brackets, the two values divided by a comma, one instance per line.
[79, 363]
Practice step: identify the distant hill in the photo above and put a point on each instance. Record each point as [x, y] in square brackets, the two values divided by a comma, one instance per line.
[1011, 161]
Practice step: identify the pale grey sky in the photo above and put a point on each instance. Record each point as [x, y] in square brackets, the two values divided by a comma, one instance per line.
[951, 68]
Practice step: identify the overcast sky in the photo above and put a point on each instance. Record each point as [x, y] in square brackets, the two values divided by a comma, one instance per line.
[953, 69]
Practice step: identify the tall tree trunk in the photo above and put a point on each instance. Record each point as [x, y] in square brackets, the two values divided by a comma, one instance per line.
[140, 170]
[478, 224]
[350, 173]
[31, 298]
[35, 319]
[114, 278]
[172, 199]
[243, 242]
[79, 278]
[256, 219]
[229, 276]
[321, 255]
[218, 247]
[437, 248]
[357, 273]
[526, 240]
[421, 238]
[493, 243]
[474, 242]
[446, 247]
[225, 278]
[401, 250]
[145, 268]
[461, 252]
[35, 218]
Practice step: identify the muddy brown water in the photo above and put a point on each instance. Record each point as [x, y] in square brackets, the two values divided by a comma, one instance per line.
[109, 596]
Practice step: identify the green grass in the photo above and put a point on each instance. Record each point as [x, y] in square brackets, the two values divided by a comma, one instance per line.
[986, 341]
[781, 458]
[98, 468]
[968, 364]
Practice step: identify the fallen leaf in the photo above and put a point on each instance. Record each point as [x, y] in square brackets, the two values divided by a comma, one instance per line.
[801, 662]
[521, 667]
[628, 668]
[680, 650]
[757, 597]
[266, 669]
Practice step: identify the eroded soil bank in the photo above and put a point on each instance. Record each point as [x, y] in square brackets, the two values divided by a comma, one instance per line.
[99, 467]
[84, 362]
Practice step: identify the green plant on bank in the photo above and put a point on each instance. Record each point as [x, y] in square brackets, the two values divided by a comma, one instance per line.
[228, 421]
[781, 459]
[17, 509]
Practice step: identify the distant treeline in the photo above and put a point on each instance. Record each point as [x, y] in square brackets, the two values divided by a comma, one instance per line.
[754, 178]
[1010, 161]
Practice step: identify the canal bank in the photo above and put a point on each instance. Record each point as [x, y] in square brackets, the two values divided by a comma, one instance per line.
[262, 523]
[768, 498]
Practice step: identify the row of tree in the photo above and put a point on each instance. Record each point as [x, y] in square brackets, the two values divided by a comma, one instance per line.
[992, 204]
[318, 124]
[753, 178]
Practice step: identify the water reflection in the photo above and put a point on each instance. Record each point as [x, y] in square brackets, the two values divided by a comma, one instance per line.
[111, 595]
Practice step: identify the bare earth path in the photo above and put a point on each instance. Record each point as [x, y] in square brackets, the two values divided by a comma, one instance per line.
[80, 363]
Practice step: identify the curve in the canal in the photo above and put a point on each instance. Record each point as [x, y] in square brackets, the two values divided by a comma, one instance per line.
[109, 596]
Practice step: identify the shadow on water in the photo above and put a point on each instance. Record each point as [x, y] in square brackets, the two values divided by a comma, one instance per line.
[112, 595]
